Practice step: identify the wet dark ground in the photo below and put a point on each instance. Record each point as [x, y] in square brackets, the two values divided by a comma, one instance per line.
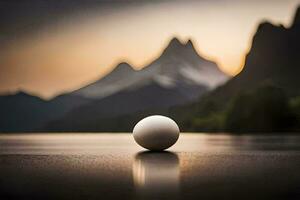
[112, 166]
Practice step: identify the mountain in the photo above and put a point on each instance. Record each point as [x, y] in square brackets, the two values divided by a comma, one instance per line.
[22, 112]
[150, 96]
[179, 64]
[178, 76]
[257, 99]
[273, 60]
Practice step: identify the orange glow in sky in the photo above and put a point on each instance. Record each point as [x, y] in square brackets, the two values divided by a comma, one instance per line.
[82, 48]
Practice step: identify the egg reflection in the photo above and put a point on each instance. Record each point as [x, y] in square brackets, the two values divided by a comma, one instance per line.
[156, 174]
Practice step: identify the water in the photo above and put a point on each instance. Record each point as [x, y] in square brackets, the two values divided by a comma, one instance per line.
[112, 166]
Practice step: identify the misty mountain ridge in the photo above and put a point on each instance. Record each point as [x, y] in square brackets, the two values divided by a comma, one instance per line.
[179, 64]
[169, 80]
[178, 76]
[22, 112]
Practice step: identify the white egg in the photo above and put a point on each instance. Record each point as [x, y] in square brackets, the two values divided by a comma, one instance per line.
[156, 132]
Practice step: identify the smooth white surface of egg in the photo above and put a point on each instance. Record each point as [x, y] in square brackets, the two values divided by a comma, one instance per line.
[156, 132]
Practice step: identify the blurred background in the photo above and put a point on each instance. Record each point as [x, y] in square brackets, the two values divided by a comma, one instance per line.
[101, 66]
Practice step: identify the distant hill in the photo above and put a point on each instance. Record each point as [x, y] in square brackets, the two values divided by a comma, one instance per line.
[23, 112]
[178, 76]
[272, 65]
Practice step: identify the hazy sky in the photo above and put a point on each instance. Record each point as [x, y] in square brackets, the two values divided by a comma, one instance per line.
[49, 47]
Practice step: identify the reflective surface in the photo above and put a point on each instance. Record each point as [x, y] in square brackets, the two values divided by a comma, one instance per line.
[112, 166]
[156, 175]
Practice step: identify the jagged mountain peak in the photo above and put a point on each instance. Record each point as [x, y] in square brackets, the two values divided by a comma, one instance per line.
[178, 63]
[266, 26]
[175, 42]
[178, 42]
[176, 45]
[189, 43]
[265, 33]
[123, 66]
